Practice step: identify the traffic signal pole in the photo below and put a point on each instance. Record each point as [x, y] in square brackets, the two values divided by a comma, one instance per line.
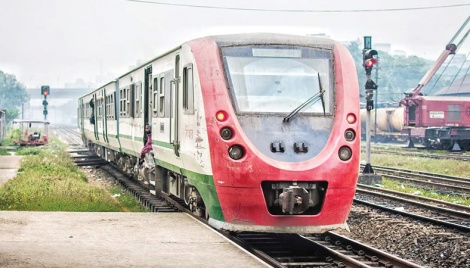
[369, 60]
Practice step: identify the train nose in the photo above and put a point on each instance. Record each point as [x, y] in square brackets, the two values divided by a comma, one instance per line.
[294, 200]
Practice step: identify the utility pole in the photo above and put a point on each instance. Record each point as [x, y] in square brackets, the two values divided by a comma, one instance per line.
[369, 60]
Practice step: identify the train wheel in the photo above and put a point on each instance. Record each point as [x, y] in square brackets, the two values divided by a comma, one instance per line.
[196, 205]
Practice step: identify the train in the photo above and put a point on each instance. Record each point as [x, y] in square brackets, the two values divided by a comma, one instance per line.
[2, 125]
[254, 132]
[436, 122]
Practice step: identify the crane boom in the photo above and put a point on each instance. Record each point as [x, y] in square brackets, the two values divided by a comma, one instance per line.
[451, 48]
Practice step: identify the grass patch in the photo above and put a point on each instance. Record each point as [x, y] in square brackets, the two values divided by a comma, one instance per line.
[4, 152]
[49, 181]
[438, 166]
[410, 189]
[11, 135]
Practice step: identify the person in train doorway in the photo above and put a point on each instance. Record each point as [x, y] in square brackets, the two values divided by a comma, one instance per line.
[147, 143]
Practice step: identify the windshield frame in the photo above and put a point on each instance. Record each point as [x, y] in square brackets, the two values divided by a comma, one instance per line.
[312, 55]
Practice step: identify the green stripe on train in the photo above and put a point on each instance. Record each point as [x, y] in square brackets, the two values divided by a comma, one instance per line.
[204, 184]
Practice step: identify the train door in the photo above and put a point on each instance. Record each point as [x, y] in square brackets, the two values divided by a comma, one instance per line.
[148, 92]
[94, 114]
[412, 115]
[175, 85]
[81, 115]
[104, 103]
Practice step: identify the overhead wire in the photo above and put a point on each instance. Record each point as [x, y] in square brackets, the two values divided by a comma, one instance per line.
[297, 10]
[456, 75]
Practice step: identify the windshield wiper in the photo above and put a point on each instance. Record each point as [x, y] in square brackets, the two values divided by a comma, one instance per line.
[312, 100]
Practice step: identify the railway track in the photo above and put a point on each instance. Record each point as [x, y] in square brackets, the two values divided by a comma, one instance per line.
[326, 250]
[428, 210]
[278, 250]
[443, 183]
[461, 156]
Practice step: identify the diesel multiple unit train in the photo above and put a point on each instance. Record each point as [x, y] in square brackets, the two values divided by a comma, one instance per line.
[255, 132]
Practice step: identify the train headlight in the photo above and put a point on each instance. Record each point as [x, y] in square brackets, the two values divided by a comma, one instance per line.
[345, 153]
[349, 135]
[226, 133]
[351, 118]
[236, 152]
[221, 116]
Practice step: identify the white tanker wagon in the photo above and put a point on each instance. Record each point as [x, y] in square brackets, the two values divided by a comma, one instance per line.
[389, 124]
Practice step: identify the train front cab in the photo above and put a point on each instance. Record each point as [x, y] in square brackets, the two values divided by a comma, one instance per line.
[291, 170]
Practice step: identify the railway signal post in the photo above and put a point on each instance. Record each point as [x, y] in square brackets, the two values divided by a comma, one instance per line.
[45, 90]
[369, 60]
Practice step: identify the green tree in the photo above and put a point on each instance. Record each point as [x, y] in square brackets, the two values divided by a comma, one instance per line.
[397, 74]
[12, 95]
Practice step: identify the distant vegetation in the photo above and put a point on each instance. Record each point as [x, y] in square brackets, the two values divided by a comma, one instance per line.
[398, 74]
[11, 135]
[12, 95]
[49, 181]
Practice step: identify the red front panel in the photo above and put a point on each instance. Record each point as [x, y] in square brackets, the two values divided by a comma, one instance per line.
[238, 183]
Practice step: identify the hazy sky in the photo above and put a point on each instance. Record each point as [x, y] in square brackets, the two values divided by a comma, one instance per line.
[58, 41]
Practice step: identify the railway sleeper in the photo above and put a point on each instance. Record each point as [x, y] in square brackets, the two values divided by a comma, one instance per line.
[158, 180]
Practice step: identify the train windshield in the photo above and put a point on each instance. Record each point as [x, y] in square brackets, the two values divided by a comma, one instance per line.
[279, 79]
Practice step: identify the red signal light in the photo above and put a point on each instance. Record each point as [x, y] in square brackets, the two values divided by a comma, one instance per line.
[370, 62]
[45, 92]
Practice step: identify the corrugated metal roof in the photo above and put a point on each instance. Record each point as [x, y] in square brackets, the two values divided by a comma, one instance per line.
[460, 87]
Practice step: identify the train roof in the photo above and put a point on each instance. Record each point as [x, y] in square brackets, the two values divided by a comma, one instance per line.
[270, 38]
[445, 98]
[245, 39]
[460, 87]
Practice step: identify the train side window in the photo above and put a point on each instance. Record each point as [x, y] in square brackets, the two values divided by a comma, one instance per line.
[130, 101]
[161, 96]
[87, 112]
[137, 98]
[106, 107]
[188, 90]
[123, 102]
[128, 105]
[109, 107]
[155, 96]
[100, 109]
[455, 112]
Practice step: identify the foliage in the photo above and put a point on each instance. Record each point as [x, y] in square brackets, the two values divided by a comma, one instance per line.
[4, 152]
[410, 189]
[12, 95]
[431, 165]
[12, 135]
[49, 181]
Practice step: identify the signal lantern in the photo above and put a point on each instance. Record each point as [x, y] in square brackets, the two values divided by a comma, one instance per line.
[45, 90]
[369, 61]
